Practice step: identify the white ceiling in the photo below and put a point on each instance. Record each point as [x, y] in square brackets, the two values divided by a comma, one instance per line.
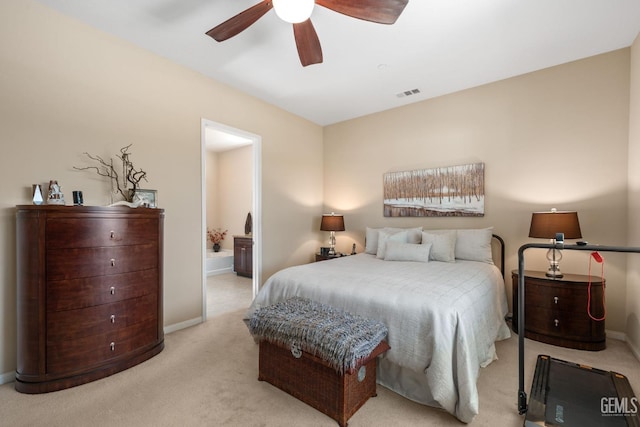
[436, 46]
[219, 140]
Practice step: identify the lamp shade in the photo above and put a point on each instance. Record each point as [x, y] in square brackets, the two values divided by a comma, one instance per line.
[332, 222]
[545, 225]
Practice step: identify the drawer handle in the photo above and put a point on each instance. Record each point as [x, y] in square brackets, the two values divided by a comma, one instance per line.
[555, 300]
[112, 234]
[113, 318]
[112, 290]
[556, 322]
[112, 346]
[113, 262]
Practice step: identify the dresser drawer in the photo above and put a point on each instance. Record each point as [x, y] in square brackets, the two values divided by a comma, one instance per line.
[65, 264]
[79, 353]
[90, 232]
[99, 319]
[86, 292]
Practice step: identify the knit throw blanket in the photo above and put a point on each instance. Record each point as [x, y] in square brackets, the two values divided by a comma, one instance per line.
[340, 338]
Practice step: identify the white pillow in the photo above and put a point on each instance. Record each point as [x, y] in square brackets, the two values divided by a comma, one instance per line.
[414, 235]
[397, 251]
[443, 245]
[371, 237]
[474, 244]
[371, 241]
[385, 236]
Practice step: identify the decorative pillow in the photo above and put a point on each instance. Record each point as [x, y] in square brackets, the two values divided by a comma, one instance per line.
[397, 251]
[386, 236]
[371, 237]
[474, 244]
[443, 244]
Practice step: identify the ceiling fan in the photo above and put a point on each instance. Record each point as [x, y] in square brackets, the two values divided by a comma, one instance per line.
[298, 12]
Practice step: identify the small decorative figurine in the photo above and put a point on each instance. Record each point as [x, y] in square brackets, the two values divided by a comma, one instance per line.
[55, 194]
[37, 195]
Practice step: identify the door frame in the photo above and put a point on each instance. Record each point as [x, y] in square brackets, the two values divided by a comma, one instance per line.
[256, 204]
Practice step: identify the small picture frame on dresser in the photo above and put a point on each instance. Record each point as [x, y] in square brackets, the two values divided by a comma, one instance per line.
[146, 198]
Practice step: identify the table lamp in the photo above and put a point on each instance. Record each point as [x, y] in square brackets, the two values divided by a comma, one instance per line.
[332, 222]
[545, 225]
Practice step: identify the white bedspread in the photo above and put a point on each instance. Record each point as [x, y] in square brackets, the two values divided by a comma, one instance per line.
[443, 318]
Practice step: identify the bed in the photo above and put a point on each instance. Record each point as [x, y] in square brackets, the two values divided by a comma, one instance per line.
[443, 310]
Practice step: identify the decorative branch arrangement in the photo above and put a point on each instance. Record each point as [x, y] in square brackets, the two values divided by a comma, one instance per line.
[128, 183]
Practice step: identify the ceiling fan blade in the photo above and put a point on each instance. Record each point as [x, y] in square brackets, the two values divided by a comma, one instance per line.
[308, 44]
[379, 11]
[236, 24]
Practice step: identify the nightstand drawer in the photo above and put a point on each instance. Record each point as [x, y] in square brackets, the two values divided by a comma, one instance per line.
[562, 324]
[566, 298]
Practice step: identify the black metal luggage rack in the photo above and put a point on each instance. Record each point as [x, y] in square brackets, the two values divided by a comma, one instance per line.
[565, 393]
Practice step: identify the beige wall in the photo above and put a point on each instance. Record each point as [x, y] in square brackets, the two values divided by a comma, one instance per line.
[67, 88]
[229, 191]
[235, 183]
[211, 191]
[553, 138]
[633, 285]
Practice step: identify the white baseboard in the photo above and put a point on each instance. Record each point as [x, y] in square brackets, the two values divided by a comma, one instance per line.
[182, 325]
[7, 378]
[620, 336]
[634, 350]
[219, 271]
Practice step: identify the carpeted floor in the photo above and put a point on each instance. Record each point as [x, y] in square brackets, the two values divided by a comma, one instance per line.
[207, 376]
[227, 292]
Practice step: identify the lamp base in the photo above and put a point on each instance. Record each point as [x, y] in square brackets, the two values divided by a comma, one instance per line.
[554, 256]
[554, 273]
[332, 243]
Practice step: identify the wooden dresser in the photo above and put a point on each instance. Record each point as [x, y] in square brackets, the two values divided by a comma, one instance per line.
[89, 293]
[556, 310]
[243, 255]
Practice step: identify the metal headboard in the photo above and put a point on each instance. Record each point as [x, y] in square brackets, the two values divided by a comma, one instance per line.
[501, 242]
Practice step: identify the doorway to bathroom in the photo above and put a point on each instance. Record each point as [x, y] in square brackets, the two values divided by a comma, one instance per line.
[231, 160]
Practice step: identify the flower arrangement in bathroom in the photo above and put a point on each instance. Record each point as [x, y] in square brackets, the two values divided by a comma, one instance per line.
[216, 236]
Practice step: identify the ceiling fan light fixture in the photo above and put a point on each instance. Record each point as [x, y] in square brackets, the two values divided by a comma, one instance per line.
[294, 11]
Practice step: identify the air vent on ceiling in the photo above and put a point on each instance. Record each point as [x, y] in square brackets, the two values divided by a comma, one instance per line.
[408, 93]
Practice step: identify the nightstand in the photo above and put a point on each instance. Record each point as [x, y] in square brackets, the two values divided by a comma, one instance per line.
[556, 310]
[320, 257]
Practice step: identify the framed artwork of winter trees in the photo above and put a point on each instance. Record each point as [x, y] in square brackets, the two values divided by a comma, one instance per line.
[445, 191]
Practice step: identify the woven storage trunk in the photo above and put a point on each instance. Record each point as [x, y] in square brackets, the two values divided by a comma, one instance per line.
[314, 382]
